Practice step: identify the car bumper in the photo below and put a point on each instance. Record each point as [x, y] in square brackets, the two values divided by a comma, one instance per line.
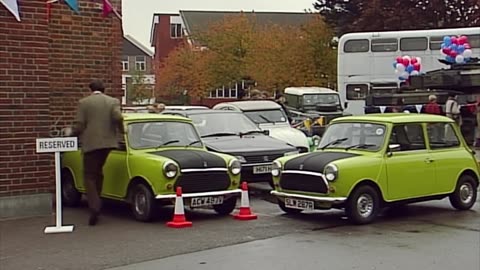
[332, 200]
[200, 194]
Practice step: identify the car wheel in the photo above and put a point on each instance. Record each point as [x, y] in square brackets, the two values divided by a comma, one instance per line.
[226, 207]
[363, 205]
[142, 202]
[70, 195]
[465, 194]
[286, 209]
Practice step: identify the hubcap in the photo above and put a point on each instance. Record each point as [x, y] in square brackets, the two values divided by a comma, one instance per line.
[140, 203]
[365, 205]
[466, 193]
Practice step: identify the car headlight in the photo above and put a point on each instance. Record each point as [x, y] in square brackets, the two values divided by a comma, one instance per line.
[170, 169]
[331, 172]
[291, 153]
[241, 159]
[276, 168]
[235, 166]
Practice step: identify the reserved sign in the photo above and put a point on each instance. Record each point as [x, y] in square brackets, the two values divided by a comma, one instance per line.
[49, 145]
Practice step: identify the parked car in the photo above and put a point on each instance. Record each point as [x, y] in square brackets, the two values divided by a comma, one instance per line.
[268, 115]
[233, 133]
[144, 109]
[365, 163]
[159, 154]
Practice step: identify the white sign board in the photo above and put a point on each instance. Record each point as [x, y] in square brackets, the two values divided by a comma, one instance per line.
[50, 145]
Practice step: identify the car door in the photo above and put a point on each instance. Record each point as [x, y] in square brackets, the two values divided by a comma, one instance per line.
[115, 170]
[409, 166]
[448, 155]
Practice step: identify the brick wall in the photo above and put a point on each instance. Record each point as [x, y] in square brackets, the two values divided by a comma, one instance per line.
[45, 68]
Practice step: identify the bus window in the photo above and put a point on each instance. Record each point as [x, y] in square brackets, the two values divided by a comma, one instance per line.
[356, 45]
[384, 45]
[413, 44]
[474, 41]
[436, 43]
[356, 91]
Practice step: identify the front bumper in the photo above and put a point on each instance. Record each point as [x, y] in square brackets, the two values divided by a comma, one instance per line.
[200, 194]
[332, 200]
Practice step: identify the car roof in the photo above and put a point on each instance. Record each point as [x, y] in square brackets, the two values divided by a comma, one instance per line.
[308, 90]
[186, 108]
[252, 105]
[153, 116]
[395, 118]
[193, 112]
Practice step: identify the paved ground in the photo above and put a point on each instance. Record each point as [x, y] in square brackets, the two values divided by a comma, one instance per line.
[422, 235]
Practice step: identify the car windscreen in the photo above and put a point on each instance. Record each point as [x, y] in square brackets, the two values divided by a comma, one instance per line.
[267, 116]
[364, 136]
[213, 123]
[154, 134]
[313, 99]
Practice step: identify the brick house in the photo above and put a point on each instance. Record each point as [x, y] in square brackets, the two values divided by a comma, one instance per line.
[167, 29]
[137, 65]
[45, 69]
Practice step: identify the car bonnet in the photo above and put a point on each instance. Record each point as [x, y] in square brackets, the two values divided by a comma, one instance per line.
[193, 159]
[315, 161]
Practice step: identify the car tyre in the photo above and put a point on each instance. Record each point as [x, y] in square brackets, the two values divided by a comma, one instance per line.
[363, 205]
[226, 207]
[286, 209]
[465, 194]
[142, 202]
[71, 197]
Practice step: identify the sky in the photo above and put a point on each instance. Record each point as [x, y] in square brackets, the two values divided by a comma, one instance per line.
[137, 15]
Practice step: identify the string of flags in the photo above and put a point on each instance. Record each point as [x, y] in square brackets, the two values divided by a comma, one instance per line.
[12, 7]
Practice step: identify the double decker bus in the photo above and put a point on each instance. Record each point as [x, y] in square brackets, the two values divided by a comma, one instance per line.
[365, 59]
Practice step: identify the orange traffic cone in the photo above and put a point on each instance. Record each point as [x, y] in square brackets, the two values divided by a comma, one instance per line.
[179, 220]
[245, 212]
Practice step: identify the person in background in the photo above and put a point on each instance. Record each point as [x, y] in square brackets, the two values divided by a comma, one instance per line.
[255, 94]
[452, 109]
[432, 106]
[280, 100]
[98, 123]
[156, 108]
[399, 106]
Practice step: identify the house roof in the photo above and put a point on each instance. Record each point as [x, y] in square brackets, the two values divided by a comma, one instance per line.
[200, 20]
[138, 45]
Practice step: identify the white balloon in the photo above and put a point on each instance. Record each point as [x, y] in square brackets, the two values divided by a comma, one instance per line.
[419, 60]
[459, 59]
[467, 53]
[405, 75]
[407, 57]
[400, 68]
[414, 73]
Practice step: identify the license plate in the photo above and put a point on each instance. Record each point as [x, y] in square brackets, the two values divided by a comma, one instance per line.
[206, 201]
[262, 169]
[299, 204]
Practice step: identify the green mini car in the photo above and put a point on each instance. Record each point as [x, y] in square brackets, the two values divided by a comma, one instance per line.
[365, 163]
[159, 154]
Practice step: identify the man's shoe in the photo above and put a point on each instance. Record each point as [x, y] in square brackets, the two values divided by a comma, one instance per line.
[93, 219]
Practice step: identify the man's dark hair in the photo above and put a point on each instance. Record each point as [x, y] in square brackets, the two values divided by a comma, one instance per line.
[97, 85]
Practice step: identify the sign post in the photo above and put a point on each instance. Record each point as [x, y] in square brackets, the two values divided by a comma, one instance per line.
[57, 145]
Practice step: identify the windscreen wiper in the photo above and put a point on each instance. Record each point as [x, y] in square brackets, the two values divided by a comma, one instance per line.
[360, 145]
[219, 134]
[337, 141]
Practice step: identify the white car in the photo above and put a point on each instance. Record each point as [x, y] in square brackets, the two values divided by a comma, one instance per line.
[269, 115]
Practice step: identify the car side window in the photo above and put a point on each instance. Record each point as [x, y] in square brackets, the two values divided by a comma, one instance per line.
[408, 136]
[442, 135]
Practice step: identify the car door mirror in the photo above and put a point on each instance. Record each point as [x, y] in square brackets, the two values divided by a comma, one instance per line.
[266, 132]
[393, 148]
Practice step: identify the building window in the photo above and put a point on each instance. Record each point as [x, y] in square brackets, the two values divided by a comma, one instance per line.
[356, 45]
[125, 63]
[140, 63]
[436, 43]
[413, 44]
[356, 91]
[384, 45]
[175, 30]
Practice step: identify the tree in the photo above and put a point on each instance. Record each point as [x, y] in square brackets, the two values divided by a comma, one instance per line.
[137, 89]
[389, 15]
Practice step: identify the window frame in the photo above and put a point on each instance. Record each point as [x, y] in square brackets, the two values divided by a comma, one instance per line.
[356, 40]
[434, 40]
[125, 63]
[422, 128]
[356, 84]
[405, 39]
[384, 43]
[454, 132]
[176, 30]
[142, 64]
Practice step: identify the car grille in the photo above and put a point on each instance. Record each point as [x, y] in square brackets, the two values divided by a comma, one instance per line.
[262, 158]
[192, 182]
[303, 182]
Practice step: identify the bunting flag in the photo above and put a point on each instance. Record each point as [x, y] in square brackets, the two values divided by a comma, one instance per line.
[12, 6]
[419, 108]
[383, 108]
[108, 8]
[73, 4]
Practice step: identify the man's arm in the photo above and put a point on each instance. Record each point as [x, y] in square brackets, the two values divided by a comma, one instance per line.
[80, 121]
[117, 115]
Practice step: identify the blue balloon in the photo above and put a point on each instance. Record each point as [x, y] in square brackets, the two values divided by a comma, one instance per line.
[454, 47]
[443, 46]
[410, 68]
[450, 59]
[447, 40]
[460, 49]
[395, 65]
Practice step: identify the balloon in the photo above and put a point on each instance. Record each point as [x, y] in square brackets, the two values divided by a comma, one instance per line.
[407, 57]
[460, 49]
[401, 67]
[399, 59]
[417, 66]
[406, 61]
[409, 68]
[405, 75]
[414, 60]
[419, 60]
[446, 51]
[415, 73]
[459, 59]
[453, 54]
[462, 40]
[454, 40]
[454, 47]
[450, 59]
[467, 53]
[467, 45]
[447, 40]
[395, 65]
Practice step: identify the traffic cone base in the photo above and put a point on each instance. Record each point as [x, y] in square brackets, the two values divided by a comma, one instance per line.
[179, 220]
[245, 212]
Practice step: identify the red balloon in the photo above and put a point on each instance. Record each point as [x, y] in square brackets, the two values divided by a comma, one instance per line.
[414, 60]
[454, 40]
[447, 51]
[417, 66]
[467, 45]
[406, 62]
[400, 60]
[453, 53]
[462, 40]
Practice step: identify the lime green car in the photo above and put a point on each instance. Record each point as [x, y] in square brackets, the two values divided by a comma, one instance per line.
[159, 153]
[365, 163]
